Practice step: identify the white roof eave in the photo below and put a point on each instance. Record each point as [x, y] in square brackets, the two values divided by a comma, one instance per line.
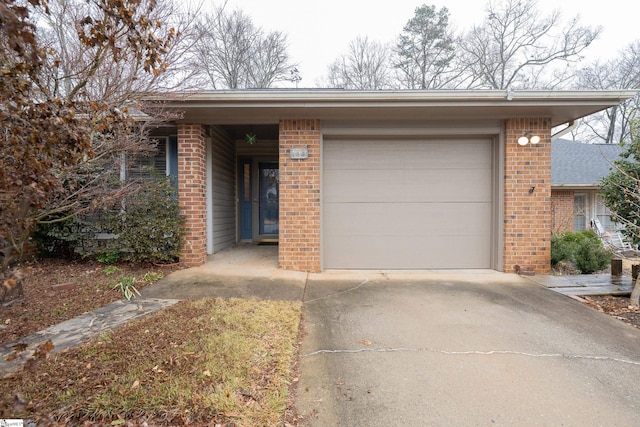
[268, 106]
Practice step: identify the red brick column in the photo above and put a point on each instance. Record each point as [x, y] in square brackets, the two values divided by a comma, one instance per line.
[299, 247]
[527, 198]
[562, 210]
[192, 184]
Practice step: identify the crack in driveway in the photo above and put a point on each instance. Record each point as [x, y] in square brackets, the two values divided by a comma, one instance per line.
[474, 352]
[338, 293]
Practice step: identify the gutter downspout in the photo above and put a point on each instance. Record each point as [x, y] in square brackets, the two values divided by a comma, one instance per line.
[570, 126]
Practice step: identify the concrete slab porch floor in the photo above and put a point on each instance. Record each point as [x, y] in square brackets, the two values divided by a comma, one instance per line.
[245, 270]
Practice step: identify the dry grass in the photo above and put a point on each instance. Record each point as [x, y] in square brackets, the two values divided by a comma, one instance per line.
[204, 362]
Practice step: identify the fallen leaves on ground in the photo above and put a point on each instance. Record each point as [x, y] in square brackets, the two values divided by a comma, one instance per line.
[45, 305]
[617, 307]
[203, 362]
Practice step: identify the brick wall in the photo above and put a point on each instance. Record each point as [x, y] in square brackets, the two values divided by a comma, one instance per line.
[299, 247]
[527, 198]
[192, 178]
[562, 210]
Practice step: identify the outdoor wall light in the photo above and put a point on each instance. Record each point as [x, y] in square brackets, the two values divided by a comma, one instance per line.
[528, 138]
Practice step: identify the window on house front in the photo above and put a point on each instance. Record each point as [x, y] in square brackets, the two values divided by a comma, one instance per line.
[579, 212]
[604, 216]
[164, 161]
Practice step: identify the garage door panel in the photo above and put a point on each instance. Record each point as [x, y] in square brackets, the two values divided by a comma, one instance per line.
[412, 186]
[412, 154]
[372, 252]
[410, 220]
[407, 204]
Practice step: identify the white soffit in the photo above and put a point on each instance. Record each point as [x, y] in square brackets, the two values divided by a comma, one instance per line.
[270, 106]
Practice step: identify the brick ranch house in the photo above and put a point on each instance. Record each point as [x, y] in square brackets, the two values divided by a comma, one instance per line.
[576, 171]
[372, 180]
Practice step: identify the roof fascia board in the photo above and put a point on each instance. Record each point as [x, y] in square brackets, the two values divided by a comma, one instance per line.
[343, 98]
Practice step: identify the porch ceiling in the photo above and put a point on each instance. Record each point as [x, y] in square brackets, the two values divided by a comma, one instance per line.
[270, 106]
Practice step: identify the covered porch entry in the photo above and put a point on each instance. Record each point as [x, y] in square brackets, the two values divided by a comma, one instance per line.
[258, 182]
[239, 179]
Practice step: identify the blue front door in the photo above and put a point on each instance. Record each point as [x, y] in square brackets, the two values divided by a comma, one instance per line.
[245, 199]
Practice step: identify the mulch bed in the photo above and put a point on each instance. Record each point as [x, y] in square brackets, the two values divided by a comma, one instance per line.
[615, 306]
[57, 290]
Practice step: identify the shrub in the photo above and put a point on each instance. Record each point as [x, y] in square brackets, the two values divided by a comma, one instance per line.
[149, 226]
[583, 249]
[145, 227]
[561, 249]
[70, 239]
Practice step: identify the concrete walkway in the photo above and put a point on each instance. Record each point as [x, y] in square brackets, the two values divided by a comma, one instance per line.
[242, 271]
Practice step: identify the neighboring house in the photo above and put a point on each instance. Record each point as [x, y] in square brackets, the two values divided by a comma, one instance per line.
[576, 171]
[373, 180]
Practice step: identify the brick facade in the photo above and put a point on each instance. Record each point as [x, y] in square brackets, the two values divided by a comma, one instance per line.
[299, 247]
[562, 210]
[527, 196]
[192, 178]
[528, 214]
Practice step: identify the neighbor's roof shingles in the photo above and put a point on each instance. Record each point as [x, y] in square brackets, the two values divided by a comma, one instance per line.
[578, 164]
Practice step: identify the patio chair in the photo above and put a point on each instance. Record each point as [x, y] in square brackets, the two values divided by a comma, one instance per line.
[612, 239]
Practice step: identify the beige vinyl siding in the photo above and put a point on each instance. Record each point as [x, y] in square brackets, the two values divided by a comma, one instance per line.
[407, 203]
[223, 190]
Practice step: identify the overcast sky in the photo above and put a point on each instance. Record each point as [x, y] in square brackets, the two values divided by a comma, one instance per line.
[319, 31]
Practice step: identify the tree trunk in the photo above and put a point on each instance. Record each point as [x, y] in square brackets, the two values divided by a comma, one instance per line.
[635, 295]
[612, 125]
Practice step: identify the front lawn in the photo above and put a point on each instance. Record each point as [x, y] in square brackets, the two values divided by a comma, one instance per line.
[205, 362]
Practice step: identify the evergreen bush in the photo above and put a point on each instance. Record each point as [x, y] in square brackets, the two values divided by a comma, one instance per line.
[583, 249]
[149, 226]
[144, 227]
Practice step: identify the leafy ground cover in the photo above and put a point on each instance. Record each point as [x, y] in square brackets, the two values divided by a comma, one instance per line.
[58, 290]
[204, 362]
[615, 306]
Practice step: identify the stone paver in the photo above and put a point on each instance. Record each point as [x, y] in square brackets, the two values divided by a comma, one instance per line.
[586, 284]
[80, 329]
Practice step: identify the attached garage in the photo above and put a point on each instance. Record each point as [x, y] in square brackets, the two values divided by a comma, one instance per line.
[408, 203]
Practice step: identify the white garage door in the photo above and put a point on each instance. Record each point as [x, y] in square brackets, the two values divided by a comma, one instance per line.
[407, 204]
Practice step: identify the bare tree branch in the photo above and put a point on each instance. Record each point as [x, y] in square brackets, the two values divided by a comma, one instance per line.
[233, 53]
[364, 67]
[517, 38]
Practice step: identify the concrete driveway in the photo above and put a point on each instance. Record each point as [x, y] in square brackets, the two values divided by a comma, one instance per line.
[473, 348]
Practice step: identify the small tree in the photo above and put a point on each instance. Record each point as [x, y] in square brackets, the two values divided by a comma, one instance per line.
[53, 141]
[620, 191]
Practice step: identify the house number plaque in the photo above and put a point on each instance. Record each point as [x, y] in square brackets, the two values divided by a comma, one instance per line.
[299, 153]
